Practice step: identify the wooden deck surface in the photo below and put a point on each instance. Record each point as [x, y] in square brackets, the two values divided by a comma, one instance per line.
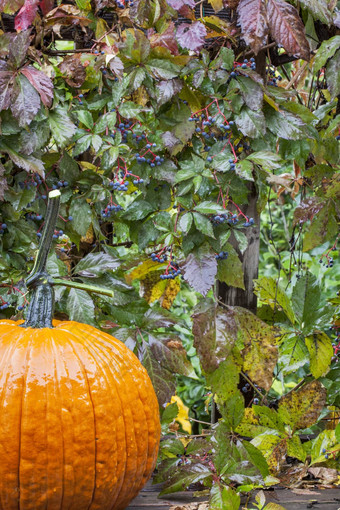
[326, 499]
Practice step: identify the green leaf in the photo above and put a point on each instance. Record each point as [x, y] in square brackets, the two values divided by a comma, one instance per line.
[268, 160]
[80, 306]
[301, 409]
[242, 240]
[326, 51]
[82, 216]
[203, 225]
[293, 354]
[295, 448]
[68, 168]
[185, 222]
[209, 208]
[323, 228]
[333, 75]
[56, 267]
[129, 110]
[227, 56]
[223, 498]
[95, 264]
[270, 292]
[169, 414]
[337, 432]
[251, 123]
[320, 349]
[306, 298]
[163, 68]
[85, 117]
[320, 10]
[28, 163]
[230, 270]
[138, 210]
[82, 145]
[61, 126]
[109, 158]
[284, 124]
[96, 142]
[224, 384]
[184, 477]
[251, 91]
[108, 120]
[244, 169]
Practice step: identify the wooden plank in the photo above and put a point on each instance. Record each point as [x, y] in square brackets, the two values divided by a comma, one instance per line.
[328, 499]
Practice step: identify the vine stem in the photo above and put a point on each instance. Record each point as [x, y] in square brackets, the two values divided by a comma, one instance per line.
[83, 286]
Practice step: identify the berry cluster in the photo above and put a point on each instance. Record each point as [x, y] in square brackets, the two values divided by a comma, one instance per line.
[231, 219]
[244, 65]
[57, 234]
[60, 184]
[273, 76]
[222, 255]
[33, 216]
[172, 270]
[109, 209]
[3, 227]
[4, 305]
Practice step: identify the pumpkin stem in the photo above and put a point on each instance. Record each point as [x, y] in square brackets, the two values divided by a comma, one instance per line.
[41, 307]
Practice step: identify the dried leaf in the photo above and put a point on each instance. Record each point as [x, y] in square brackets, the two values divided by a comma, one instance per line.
[10, 6]
[307, 209]
[41, 83]
[287, 28]
[254, 24]
[326, 475]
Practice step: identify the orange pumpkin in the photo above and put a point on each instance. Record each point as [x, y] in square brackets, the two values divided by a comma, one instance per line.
[79, 424]
[79, 419]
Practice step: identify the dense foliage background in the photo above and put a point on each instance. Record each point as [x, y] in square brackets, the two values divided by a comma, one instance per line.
[196, 148]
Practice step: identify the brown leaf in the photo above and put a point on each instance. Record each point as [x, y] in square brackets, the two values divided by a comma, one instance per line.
[277, 457]
[73, 70]
[293, 475]
[326, 475]
[254, 24]
[287, 28]
[307, 209]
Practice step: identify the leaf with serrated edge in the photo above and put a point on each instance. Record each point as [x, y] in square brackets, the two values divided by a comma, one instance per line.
[199, 269]
[254, 24]
[80, 306]
[320, 350]
[287, 28]
[301, 409]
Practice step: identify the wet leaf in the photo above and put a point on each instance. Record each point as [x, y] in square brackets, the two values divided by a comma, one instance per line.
[80, 306]
[326, 51]
[215, 333]
[42, 84]
[61, 126]
[301, 409]
[251, 123]
[307, 209]
[254, 25]
[295, 448]
[167, 89]
[200, 269]
[3, 182]
[10, 6]
[25, 101]
[26, 15]
[287, 28]
[306, 299]
[223, 497]
[95, 264]
[191, 36]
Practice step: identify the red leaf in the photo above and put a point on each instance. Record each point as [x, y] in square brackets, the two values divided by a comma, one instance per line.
[166, 39]
[191, 36]
[6, 86]
[254, 24]
[200, 269]
[41, 83]
[287, 28]
[46, 6]
[26, 15]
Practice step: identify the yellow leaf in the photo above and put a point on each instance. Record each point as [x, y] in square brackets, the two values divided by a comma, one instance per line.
[270, 101]
[183, 414]
[143, 269]
[172, 289]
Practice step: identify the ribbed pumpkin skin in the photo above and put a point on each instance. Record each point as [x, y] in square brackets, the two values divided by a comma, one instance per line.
[79, 422]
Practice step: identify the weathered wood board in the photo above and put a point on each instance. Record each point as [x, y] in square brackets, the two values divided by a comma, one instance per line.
[327, 499]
